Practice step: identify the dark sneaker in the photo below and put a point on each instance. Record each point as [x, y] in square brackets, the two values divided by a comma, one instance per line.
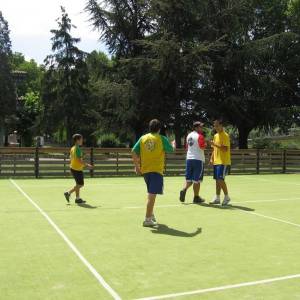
[67, 196]
[79, 201]
[182, 195]
[198, 200]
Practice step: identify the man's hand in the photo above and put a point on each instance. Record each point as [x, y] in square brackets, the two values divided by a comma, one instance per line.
[138, 170]
[89, 166]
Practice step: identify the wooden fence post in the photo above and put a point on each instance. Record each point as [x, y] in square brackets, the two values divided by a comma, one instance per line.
[257, 161]
[36, 163]
[284, 162]
[92, 162]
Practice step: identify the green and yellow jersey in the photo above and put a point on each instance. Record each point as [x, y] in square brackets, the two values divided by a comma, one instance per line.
[222, 157]
[152, 148]
[76, 156]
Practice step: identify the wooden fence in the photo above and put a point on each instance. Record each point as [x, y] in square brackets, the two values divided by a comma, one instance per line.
[54, 162]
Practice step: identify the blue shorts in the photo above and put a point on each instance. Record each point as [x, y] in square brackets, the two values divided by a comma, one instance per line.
[220, 172]
[194, 170]
[155, 183]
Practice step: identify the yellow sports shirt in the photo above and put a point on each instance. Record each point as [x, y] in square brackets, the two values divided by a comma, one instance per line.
[75, 157]
[151, 148]
[222, 157]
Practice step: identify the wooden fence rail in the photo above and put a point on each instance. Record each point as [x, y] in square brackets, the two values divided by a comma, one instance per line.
[54, 162]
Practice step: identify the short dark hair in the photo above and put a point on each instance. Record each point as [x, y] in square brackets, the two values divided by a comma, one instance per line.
[76, 137]
[197, 124]
[154, 126]
[219, 120]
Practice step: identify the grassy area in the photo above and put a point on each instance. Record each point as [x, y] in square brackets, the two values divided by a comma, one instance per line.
[194, 248]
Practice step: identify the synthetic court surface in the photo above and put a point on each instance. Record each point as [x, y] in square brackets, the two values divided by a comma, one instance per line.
[50, 250]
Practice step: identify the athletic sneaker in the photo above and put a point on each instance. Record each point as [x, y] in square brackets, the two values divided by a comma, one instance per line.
[154, 219]
[182, 195]
[149, 223]
[198, 200]
[226, 201]
[215, 201]
[67, 196]
[79, 201]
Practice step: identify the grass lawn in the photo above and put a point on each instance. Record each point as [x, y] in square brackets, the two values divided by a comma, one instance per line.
[195, 247]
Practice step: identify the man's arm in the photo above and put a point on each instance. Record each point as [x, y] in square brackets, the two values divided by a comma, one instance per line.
[80, 158]
[167, 145]
[136, 150]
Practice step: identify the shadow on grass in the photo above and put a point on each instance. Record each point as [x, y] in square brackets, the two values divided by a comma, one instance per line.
[226, 207]
[88, 206]
[165, 229]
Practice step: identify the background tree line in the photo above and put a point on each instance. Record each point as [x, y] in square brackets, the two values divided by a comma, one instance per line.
[176, 60]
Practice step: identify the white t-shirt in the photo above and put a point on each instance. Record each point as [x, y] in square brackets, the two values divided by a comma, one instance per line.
[195, 141]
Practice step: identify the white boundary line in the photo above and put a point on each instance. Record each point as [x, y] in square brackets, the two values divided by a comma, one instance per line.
[221, 288]
[269, 180]
[99, 278]
[233, 203]
[271, 218]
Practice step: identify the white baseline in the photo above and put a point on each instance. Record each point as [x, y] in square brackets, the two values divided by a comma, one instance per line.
[221, 288]
[99, 278]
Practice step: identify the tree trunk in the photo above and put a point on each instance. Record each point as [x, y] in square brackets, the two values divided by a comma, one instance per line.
[243, 136]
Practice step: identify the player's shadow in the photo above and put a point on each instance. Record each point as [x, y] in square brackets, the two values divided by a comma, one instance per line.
[165, 229]
[88, 206]
[230, 206]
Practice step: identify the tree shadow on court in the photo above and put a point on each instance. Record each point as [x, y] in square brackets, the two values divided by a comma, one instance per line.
[230, 206]
[165, 229]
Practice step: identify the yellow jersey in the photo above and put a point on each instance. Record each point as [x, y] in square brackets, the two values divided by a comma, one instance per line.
[151, 148]
[222, 157]
[75, 158]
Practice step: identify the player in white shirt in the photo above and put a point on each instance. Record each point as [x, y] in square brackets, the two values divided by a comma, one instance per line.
[195, 159]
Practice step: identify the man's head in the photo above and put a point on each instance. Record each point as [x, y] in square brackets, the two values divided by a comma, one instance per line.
[77, 139]
[197, 126]
[154, 126]
[218, 125]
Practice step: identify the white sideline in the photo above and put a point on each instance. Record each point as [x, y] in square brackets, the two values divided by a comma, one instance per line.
[270, 180]
[99, 278]
[270, 218]
[238, 202]
[221, 288]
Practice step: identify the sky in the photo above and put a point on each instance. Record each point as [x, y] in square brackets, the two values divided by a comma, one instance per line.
[30, 22]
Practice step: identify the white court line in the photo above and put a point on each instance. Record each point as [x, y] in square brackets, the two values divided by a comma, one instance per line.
[238, 202]
[271, 218]
[270, 180]
[221, 288]
[99, 278]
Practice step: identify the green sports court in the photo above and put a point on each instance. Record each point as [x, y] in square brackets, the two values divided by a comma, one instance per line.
[51, 250]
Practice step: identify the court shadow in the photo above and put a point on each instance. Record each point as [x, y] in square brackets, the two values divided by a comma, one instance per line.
[165, 229]
[230, 206]
[86, 205]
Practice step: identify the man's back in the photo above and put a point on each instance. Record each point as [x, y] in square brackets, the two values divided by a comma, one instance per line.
[195, 146]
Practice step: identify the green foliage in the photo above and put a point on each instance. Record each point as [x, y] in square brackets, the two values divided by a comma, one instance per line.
[109, 140]
[7, 90]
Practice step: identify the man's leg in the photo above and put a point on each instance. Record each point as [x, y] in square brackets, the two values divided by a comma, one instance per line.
[71, 191]
[222, 185]
[150, 206]
[196, 188]
[218, 188]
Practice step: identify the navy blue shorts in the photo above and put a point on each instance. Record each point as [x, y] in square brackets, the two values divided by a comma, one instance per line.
[220, 172]
[155, 183]
[194, 170]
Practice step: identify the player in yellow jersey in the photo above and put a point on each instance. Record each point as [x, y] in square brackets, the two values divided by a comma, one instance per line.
[221, 160]
[149, 160]
[76, 166]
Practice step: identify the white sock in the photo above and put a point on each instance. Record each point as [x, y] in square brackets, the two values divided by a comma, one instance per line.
[226, 197]
[218, 197]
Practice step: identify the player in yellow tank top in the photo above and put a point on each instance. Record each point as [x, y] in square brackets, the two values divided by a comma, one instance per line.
[76, 166]
[221, 161]
[149, 159]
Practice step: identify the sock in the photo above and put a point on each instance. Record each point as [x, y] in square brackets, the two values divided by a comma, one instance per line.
[218, 197]
[226, 197]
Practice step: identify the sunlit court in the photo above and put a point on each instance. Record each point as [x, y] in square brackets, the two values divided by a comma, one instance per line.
[247, 250]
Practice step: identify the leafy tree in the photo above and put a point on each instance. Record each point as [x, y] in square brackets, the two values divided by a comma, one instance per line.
[7, 90]
[65, 84]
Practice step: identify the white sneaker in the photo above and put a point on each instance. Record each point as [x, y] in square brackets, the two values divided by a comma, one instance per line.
[226, 201]
[149, 223]
[216, 200]
[153, 219]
